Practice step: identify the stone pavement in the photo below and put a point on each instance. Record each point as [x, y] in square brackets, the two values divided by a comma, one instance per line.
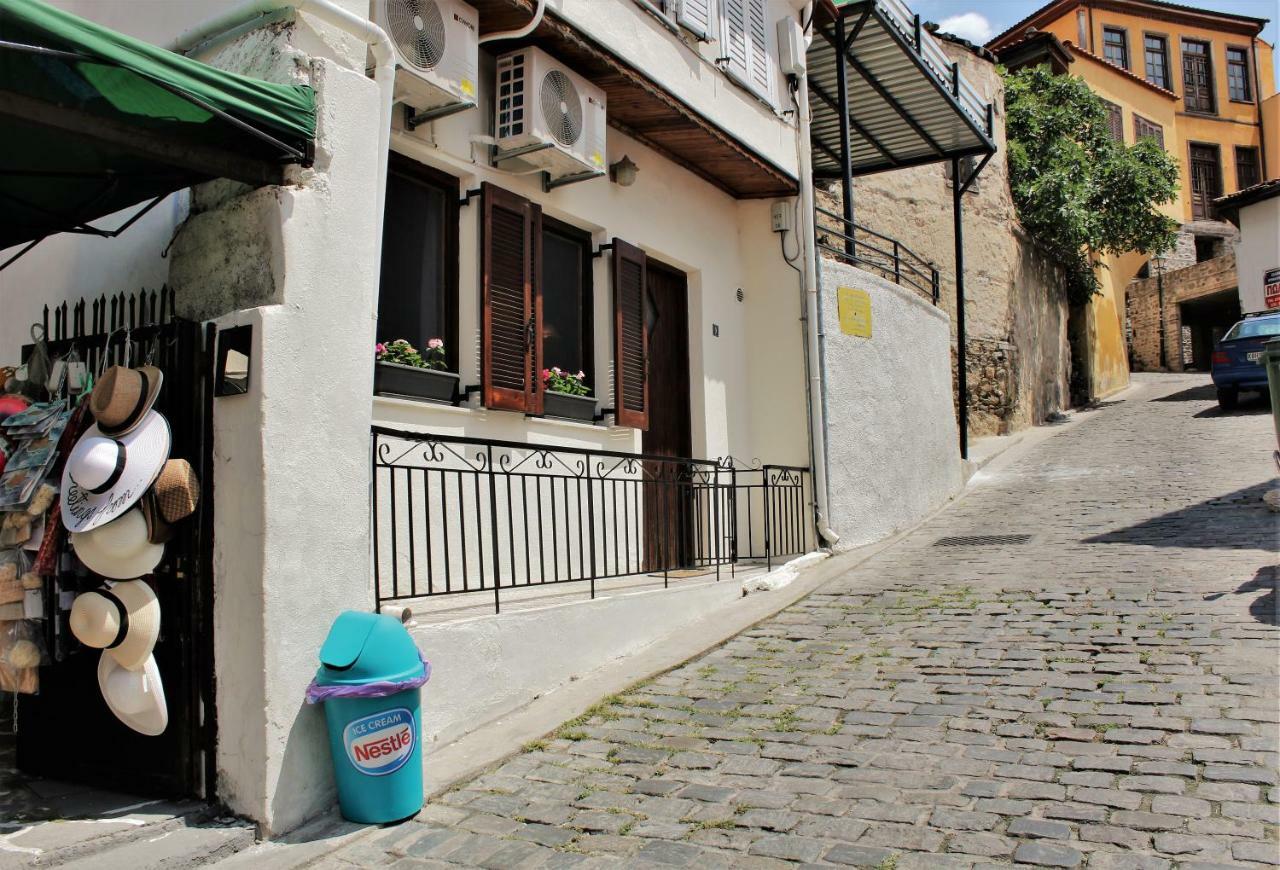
[1075, 666]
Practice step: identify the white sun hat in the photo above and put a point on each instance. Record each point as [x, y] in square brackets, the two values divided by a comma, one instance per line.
[104, 477]
[123, 619]
[135, 697]
[121, 549]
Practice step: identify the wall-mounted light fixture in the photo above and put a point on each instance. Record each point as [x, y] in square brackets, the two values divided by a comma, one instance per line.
[623, 173]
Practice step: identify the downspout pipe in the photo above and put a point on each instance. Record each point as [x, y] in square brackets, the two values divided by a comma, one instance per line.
[243, 17]
[813, 337]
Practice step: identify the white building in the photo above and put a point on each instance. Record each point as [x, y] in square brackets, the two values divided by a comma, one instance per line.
[665, 252]
[1256, 211]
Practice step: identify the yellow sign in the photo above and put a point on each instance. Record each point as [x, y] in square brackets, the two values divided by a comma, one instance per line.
[855, 311]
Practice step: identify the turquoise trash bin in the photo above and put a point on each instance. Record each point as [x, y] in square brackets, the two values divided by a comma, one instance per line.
[369, 681]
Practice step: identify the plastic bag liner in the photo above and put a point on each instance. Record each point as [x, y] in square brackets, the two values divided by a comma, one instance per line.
[317, 693]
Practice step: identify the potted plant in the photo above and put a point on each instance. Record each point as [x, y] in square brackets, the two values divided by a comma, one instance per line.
[403, 370]
[565, 394]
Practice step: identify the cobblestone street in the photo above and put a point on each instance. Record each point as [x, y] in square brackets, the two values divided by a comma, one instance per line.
[1074, 666]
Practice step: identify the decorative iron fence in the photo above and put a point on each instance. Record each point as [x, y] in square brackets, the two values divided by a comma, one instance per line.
[885, 256]
[454, 515]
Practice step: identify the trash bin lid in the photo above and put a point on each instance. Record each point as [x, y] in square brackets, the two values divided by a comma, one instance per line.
[366, 648]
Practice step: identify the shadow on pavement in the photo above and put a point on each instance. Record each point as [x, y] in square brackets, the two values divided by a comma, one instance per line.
[1218, 523]
[1263, 608]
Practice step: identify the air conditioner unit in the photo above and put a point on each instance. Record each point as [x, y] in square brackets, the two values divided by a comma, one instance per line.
[549, 116]
[437, 54]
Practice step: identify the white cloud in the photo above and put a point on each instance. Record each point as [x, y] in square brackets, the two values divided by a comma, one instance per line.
[972, 26]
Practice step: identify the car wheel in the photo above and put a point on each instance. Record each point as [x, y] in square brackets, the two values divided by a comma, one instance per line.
[1228, 398]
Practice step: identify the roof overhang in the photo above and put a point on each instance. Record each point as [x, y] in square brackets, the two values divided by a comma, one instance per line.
[1155, 10]
[94, 122]
[908, 104]
[1228, 207]
[642, 108]
[1035, 49]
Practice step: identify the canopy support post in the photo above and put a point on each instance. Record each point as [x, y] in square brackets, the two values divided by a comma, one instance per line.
[846, 149]
[962, 374]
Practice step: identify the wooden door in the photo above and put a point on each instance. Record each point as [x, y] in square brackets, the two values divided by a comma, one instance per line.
[1206, 181]
[1197, 77]
[670, 501]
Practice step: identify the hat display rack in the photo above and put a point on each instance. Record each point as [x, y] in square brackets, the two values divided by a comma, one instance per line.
[114, 500]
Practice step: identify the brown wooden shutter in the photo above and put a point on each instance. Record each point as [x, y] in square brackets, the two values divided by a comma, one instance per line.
[511, 302]
[631, 337]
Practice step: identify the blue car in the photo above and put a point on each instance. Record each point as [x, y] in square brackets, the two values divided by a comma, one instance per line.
[1238, 362]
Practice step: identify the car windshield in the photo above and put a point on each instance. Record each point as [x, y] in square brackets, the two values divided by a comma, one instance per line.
[1262, 327]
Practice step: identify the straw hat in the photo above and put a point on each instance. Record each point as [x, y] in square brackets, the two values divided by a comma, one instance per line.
[172, 498]
[135, 697]
[104, 477]
[120, 549]
[122, 397]
[123, 620]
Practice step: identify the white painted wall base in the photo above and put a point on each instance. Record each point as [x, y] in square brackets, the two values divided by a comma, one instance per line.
[893, 442]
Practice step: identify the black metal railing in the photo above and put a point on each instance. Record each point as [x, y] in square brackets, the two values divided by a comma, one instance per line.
[884, 256]
[454, 515]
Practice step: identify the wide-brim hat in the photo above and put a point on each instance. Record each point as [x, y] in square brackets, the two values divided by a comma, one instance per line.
[120, 550]
[135, 697]
[171, 499]
[104, 477]
[123, 620]
[122, 397]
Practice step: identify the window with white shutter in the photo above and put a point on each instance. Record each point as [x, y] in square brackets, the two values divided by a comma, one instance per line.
[697, 17]
[745, 38]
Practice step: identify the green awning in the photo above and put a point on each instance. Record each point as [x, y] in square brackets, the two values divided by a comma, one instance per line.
[93, 122]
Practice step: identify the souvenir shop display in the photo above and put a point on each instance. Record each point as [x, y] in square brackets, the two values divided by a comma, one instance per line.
[89, 497]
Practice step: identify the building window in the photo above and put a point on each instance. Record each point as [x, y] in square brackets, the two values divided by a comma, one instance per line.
[1149, 129]
[1206, 181]
[1206, 248]
[1156, 51]
[1197, 76]
[566, 298]
[417, 290]
[1248, 172]
[745, 36]
[1115, 121]
[1238, 75]
[1115, 46]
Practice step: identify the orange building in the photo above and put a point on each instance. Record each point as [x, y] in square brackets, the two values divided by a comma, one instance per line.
[1201, 83]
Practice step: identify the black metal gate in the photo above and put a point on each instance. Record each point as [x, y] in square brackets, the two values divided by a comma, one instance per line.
[66, 731]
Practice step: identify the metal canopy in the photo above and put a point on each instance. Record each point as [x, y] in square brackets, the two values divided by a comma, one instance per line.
[907, 104]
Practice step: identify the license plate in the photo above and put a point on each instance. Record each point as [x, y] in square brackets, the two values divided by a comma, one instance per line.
[1254, 356]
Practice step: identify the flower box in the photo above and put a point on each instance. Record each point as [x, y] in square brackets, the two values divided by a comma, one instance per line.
[570, 407]
[394, 379]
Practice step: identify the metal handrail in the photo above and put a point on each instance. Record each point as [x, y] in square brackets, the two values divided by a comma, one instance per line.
[455, 514]
[901, 265]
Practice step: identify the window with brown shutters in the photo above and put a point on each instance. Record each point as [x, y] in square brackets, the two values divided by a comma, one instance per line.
[511, 302]
[1148, 129]
[1115, 121]
[631, 338]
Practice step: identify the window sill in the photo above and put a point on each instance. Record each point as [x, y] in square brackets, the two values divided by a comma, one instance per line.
[1241, 102]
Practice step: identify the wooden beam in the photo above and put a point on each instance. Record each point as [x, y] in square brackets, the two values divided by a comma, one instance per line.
[194, 157]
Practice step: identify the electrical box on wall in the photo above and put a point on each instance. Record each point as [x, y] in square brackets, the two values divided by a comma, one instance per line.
[790, 47]
[782, 217]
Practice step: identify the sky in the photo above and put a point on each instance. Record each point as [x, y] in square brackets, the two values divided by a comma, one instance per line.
[981, 20]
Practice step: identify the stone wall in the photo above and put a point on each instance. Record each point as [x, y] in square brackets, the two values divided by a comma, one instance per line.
[1015, 305]
[1143, 304]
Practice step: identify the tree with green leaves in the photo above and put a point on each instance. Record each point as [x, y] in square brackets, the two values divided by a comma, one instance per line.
[1079, 192]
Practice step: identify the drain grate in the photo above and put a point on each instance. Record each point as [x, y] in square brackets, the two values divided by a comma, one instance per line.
[982, 541]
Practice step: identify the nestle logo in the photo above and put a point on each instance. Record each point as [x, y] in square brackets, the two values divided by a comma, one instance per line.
[464, 22]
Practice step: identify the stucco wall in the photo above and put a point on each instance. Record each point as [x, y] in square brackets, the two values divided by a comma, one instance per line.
[892, 440]
[1015, 309]
[1257, 251]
